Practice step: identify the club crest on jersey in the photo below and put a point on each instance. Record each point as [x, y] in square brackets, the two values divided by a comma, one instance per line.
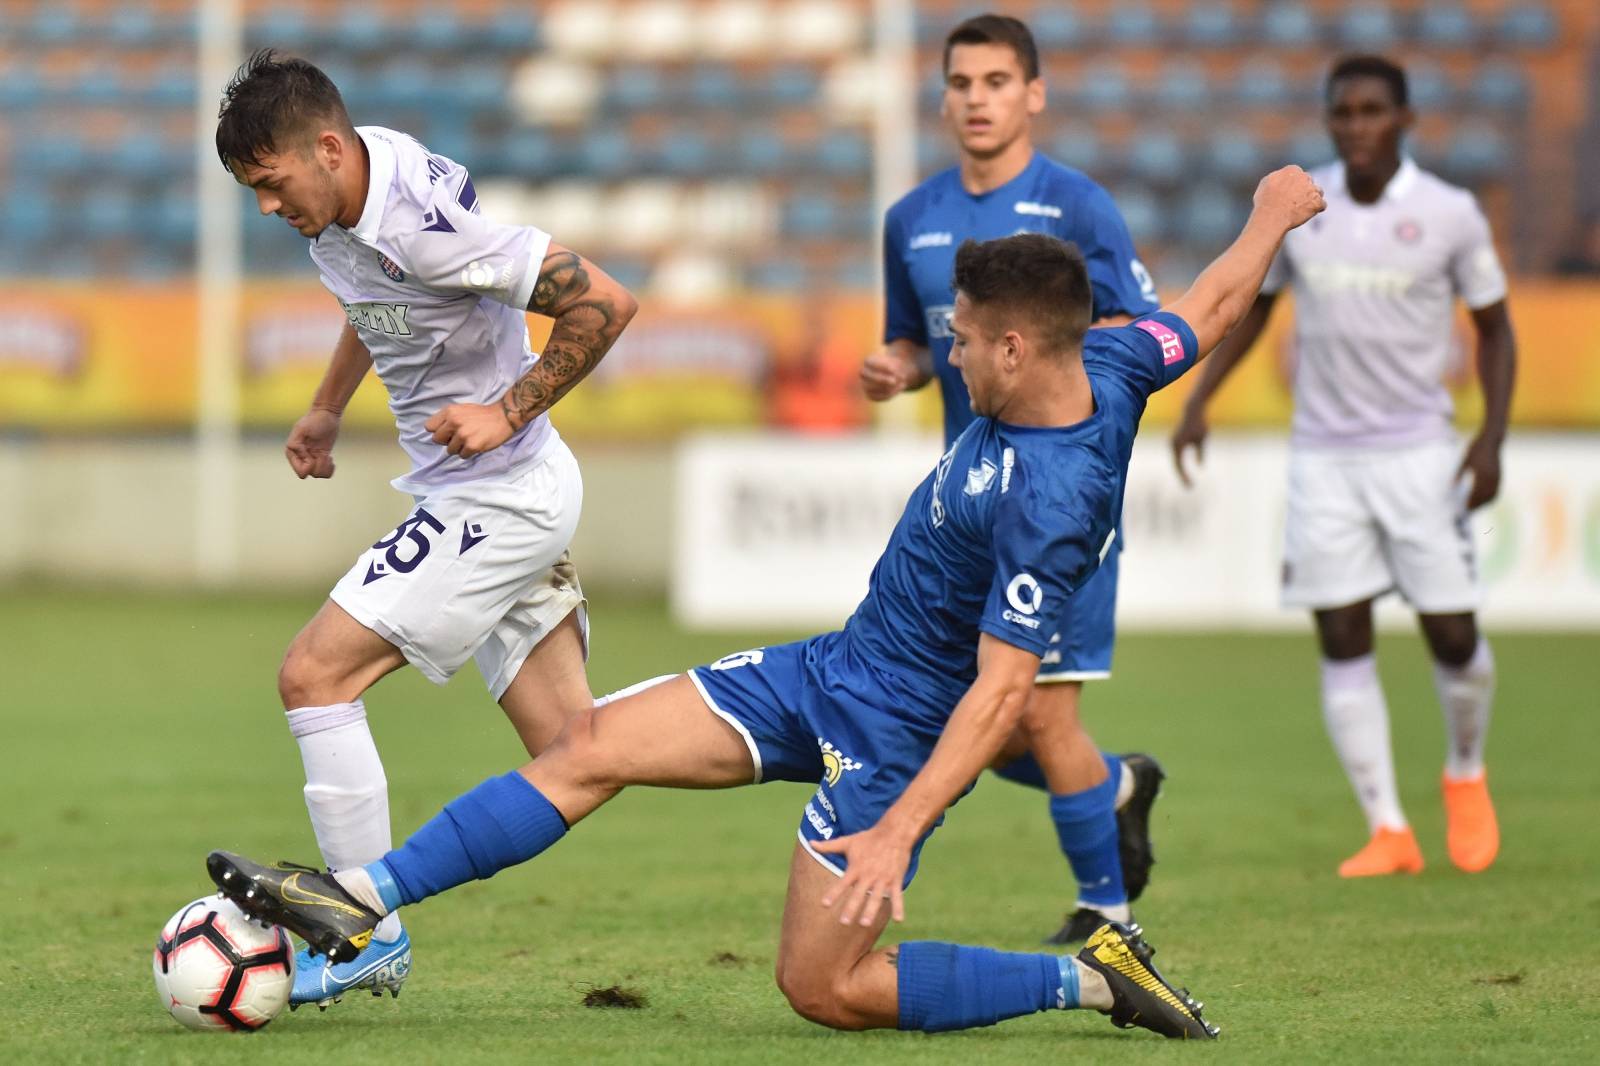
[979, 478]
[391, 268]
[835, 763]
[1408, 231]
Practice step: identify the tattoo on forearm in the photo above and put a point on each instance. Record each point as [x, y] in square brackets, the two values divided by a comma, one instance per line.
[892, 957]
[587, 323]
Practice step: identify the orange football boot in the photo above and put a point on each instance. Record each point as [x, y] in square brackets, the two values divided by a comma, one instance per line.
[1390, 851]
[1472, 833]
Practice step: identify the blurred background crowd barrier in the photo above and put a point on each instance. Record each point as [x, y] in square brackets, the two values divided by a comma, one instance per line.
[729, 159]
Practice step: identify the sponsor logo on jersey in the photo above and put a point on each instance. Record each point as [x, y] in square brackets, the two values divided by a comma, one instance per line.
[1025, 597]
[481, 274]
[938, 319]
[1029, 207]
[824, 830]
[1333, 278]
[1408, 231]
[835, 763]
[930, 240]
[1171, 343]
[1008, 460]
[379, 317]
[980, 478]
[827, 804]
[391, 268]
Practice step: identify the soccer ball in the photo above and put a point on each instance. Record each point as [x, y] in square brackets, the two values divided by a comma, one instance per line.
[219, 969]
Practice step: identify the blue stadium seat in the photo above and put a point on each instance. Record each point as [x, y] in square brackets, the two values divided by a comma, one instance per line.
[109, 214]
[478, 89]
[1445, 25]
[19, 89]
[437, 29]
[172, 87]
[404, 81]
[363, 30]
[141, 153]
[1104, 86]
[608, 154]
[761, 152]
[53, 154]
[1132, 24]
[1157, 156]
[1141, 211]
[281, 27]
[844, 154]
[1498, 85]
[1209, 217]
[513, 28]
[856, 272]
[714, 87]
[934, 152]
[685, 151]
[812, 215]
[1430, 86]
[930, 92]
[1080, 148]
[1261, 82]
[522, 153]
[636, 88]
[1289, 24]
[453, 141]
[1212, 25]
[1234, 154]
[777, 275]
[1309, 147]
[55, 24]
[130, 26]
[1477, 152]
[28, 213]
[1056, 27]
[1368, 27]
[792, 86]
[1528, 25]
[1183, 86]
[173, 219]
[100, 86]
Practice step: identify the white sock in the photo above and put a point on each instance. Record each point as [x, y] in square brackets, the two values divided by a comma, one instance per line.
[359, 884]
[1124, 787]
[621, 693]
[347, 794]
[1358, 724]
[1093, 991]
[1116, 912]
[1465, 694]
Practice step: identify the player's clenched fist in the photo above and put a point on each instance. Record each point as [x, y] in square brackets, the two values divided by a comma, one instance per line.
[887, 374]
[1291, 191]
[310, 445]
[468, 429]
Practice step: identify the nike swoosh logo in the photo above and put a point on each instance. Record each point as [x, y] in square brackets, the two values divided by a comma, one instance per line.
[291, 884]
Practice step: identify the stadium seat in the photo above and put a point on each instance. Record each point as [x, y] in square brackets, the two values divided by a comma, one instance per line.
[843, 154]
[811, 215]
[1209, 217]
[1476, 152]
[1498, 85]
[1104, 86]
[280, 27]
[405, 81]
[1157, 157]
[1057, 27]
[1368, 27]
[1141, 211]
[54, 25]
[141, 153]
[480, 88]
[761, 152]
[930, 92]
[642, 214]
[436, 29]
[512, 28]
[362, 30]
[172, 87]
[582, 27]
[1183, 86]
[1261, 82]
[1528, 25]
[107, 213]
[636, 87]
[131, 26]
[1132, 24]
[1289, 24]
[817, 28]
[934, 152]
[1429, 86]
[655, 29]
[777, 275]
[53, 154]
[736, 29]
[1445, 26]
[1309, 147]
[792, 86]
[19, 89]
[1234, 154]
[1212, 25]
[523, 153]
[556, 90]
[100, 86]
[573, 208]
[1079, 147]
[687, 151]
[607, 153]
[714, 87]
[28, 213]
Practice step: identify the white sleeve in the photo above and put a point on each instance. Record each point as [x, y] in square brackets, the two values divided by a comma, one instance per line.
[458, 250]
[1475, 271]
[1277, 273]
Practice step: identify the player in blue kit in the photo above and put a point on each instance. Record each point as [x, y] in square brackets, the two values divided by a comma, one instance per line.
[1100, 804]
[895, 715]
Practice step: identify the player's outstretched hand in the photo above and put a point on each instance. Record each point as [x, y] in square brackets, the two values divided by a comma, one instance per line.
[468, 429]
[885, 374]
[875, 870]
[1191, 433]
[1290, 192]
[310, 445]
[1482, 465]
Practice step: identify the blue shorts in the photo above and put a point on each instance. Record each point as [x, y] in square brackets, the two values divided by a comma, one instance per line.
[1081, 649]
[816, 711]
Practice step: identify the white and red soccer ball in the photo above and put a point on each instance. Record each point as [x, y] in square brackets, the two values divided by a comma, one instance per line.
[219, 969]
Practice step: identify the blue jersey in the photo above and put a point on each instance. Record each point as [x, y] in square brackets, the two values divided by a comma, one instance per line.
[923, 230]
[1012, 521]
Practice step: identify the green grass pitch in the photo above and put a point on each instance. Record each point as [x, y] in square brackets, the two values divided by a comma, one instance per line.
[140, 732]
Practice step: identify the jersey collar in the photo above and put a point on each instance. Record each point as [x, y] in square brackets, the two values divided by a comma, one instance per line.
[1398, 186]
[380, 175]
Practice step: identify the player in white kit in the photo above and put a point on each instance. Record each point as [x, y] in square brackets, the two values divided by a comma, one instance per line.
[435, 296]
[1379, 489]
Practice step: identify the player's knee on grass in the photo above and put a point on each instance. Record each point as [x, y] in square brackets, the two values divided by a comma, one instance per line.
[822, 998]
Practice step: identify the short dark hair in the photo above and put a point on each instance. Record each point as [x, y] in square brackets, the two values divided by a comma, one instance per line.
[272, 102]
[1368, 66]
[997, 29]
[1034, 275]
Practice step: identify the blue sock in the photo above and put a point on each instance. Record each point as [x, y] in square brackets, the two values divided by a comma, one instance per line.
[1026, 770]
[952, 986]
[502, 822]
[1086, 825]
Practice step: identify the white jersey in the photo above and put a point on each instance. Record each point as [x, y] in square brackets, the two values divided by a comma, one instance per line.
[1374, 289]
[437, 294]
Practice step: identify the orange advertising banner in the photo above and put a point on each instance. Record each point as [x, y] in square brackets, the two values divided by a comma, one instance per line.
[91, 357]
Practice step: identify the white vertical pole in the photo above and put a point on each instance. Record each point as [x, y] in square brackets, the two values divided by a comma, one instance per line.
[894, 143]
[218, 267]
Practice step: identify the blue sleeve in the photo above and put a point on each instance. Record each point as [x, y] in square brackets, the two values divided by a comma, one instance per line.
[1042, 554]
[1120, 282]
[1149, 353]
[902, 311]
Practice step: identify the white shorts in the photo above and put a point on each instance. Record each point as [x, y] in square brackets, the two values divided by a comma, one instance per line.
[1364, 523]
[477, 571]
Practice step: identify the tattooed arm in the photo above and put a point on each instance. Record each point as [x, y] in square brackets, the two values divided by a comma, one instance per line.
[590, 310]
